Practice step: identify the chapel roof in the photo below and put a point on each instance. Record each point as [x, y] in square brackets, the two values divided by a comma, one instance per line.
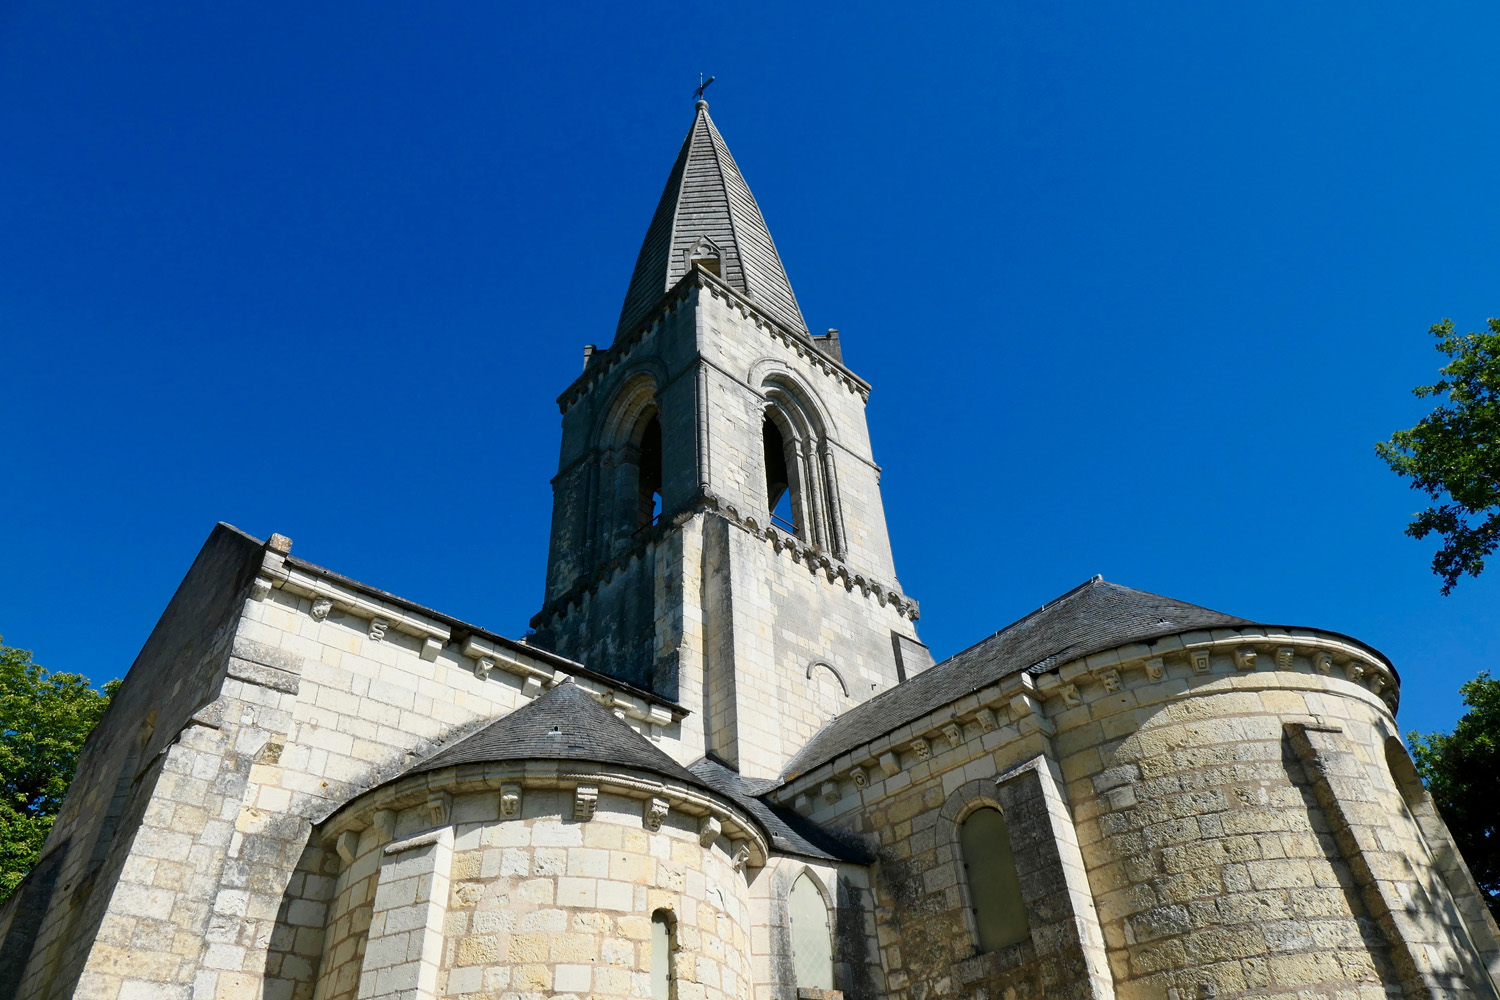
[706, 197]
[790, 833]
[1092, 617]
[565, 723]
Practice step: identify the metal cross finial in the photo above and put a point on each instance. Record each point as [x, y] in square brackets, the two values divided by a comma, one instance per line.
[702, 86]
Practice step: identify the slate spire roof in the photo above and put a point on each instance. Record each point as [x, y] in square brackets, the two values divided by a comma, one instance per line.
[707, 199]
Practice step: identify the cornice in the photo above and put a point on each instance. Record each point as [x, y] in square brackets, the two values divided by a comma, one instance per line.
[510, 780]
[1030, 703]
[813, 557]
[602, 363]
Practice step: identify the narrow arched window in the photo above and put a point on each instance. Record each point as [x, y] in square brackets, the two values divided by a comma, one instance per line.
[663, 955]
[778, 479]
[994, 888]
[648, 482]
[812, 942]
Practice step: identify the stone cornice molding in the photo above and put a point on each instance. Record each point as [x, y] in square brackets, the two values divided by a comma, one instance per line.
[538, 669]
[817, 560]
[500, 778]
[1030, 702]
[601, 363]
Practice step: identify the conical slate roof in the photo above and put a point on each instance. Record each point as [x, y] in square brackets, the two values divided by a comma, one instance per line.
[565, 723]
[1090, 618]
[707, 198]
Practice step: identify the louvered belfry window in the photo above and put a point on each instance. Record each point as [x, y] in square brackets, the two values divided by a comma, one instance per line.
[994, 888]
[812, 944]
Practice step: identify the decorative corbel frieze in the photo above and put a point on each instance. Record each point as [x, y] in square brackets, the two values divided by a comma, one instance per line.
[953, 733]
[741, 856]
[802, 803]
[510, 800]
[1155, 669]
[431, 648]
[890, 765]
[384, 822]
[1202, 661]
[860, 777]
[1244, 658]
[377, 629]
[321, 608]
[655, 812]
[482, 667]
[1355, 670]
[260, 589]
[830, 792]
[1070, 695]
[1110, 678]
[709, 829]
[585, 800]
[921, 748]
[439, 807]
[985, 719]
[347, 845]
[1284, 656]
[1323, 661]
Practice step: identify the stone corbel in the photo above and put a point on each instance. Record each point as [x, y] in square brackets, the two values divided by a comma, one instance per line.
[1070, 695]
[953, 733]
[1155, 669]
[1284, 656]
[1110, 678]
[860, 777]
[1244, 658]
[921, 748]
[741, 856]
[321, 608]
[1026, 710]
[439, 808]
[482, 667]
[585, 800]
[1202, 661]
[377, 629]
[1323, 661]
[655, 812]
[510, 801]
[384, 822]
[260, 589]
[985, 719]
[890, 765]
[431, 648]
[709, 829]
[830, 792]
[347, 845]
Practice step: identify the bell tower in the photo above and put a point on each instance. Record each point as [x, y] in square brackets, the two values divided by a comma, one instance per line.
[718, 535]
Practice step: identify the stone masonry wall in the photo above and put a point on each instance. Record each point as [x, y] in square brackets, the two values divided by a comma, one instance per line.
[541, 905]
[1214, 855]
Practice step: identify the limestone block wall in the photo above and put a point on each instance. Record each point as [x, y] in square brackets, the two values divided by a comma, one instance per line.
[508, 891]
[1226, 822]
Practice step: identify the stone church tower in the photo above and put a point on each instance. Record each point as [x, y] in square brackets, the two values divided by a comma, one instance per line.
[669, 567]
[723, 765]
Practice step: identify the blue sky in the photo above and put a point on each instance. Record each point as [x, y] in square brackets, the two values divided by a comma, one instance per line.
[1138, 287]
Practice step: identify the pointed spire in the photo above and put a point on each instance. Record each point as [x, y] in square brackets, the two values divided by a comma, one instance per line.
[707, 213]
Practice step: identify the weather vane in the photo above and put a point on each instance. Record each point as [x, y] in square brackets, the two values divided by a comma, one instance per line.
[702, 86]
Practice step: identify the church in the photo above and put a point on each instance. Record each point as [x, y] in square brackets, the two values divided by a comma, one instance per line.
[723, 764]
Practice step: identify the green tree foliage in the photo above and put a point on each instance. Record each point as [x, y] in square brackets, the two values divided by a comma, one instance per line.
[44, 719]
[1454, 453]
[1462, 771]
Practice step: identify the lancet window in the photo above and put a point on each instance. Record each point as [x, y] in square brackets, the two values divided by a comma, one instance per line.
[990, 874]
[627, 494]
[663, 955]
